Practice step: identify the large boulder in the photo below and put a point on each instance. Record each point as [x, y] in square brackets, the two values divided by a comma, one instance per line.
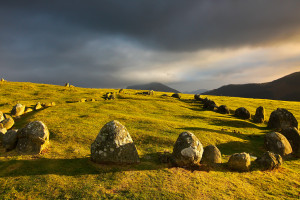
[33, 138]
[176, 95]
[187, 150]
[2, 132]
[277, 143]
[113, 144]
[269, 161]
[210, 105]
[10, 139]
[239, 161]
[211, 155]
[1, 116]
[259, 116]
[242, 113]
[282, 119]
[223, 109]
[293, 136]
[18, 110]
[7, 123]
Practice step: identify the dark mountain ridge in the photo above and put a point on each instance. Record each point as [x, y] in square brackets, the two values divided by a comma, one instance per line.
[155, 86]
[286, 88]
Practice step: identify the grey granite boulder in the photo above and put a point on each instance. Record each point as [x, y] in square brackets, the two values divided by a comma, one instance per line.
[114, 144]
[282, 119]
[10, 139]
[187, 150]
[18, 110]
[33, 138]
[277, 143]
[239, 161]
[259, 116]
[269, 161]
[242, 113]
[293, 136]
[211, 155]
[7, 123]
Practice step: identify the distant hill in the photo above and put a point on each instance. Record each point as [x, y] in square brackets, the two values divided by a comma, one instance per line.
[286, 88]
[153, 86]
[200, 91]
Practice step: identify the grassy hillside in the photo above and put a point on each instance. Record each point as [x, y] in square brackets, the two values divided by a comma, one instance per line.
[154, 122]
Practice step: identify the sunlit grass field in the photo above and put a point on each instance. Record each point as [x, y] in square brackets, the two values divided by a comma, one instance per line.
[65, 171]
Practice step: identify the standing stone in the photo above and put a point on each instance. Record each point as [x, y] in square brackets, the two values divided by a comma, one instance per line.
[33, 138]
[7, 123]
[223, 109]
[187, 150]
[121, 91]
[10, 139]
[242, 113]
[277, 143]
[28, 110]
[293, 136]
[67, 85]
[239, 161]
[211, 155]
[197, 97]
[269, 161]
[259, 116]
[114, 145]
[1, 116]
[151, 92]
[18, 110]
[282, 119]
[2, 80]
[38, 106]
[210, 105]
[176, 95]
[2, 132]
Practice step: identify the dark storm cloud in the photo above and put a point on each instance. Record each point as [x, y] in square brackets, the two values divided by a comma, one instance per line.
[95, 43]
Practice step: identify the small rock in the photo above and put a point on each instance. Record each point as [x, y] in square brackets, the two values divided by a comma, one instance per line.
[2, 80]
[1, 116]
[269, 161]
[7, 123]
[187, 150]
[239, 161]
[223, 109]
[28, 110]
[121, 91]
[277, 143]
[10, 139]
[38, 106]
[92, 100]
[197, 97]
[67, 85]
[242, 113]
[211, 155]
[259, 116]
[176, 95]
[82, 100]
[282, 119]
[210, 105]
[18, 110]
[50, 104]
[33, 138]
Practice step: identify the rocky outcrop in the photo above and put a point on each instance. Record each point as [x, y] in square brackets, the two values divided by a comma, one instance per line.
[187, 150]
[33, 138]
[277, 143]
[269, 161]
[282, 119]
[242, 113]
[259, 116]
[211, 155]
[114, 145]
[239, 162]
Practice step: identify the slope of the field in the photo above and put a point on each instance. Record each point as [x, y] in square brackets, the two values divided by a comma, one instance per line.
[154, 122]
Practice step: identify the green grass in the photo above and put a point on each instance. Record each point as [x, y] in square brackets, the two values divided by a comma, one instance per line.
[154, 122]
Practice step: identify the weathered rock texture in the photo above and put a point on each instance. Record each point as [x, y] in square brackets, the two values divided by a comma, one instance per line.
[7, 123]
[269, 161]
[277, 143]
[187, 150]
[33, 138]
[211, 155]
[223, 109]
[293, 136]
[18, 110]
[10, 139]
[114, 145]
[282, 119]
[242, 113]
[239, 161]
[259, 116]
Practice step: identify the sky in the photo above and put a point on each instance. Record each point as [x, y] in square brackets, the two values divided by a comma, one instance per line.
[187, 45]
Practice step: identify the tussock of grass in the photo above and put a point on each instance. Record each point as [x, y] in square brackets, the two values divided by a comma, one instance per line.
[154, 122]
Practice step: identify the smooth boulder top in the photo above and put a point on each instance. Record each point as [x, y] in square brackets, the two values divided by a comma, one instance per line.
[18, 110]
[114, 144]
[187, 150]
[277, 143]
[282, 119]
[239, 161]
[33, 138]
[242, 113]
[211, 155]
